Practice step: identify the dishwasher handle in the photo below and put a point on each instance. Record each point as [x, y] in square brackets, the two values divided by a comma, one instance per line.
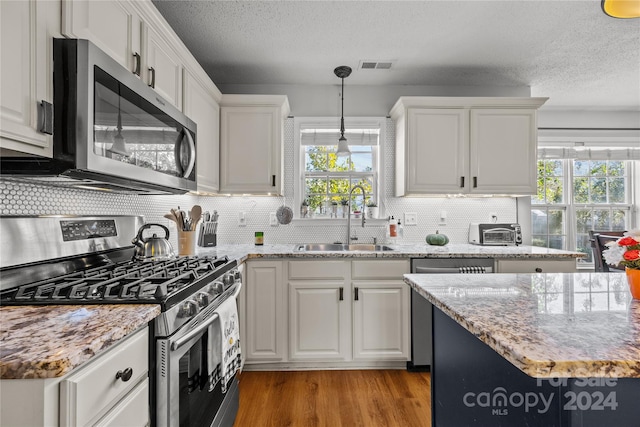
[452, 270]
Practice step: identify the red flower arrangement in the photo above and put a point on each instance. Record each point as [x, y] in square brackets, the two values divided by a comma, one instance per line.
[624, 251]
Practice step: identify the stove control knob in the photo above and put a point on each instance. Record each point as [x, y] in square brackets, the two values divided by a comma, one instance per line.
[227, 279]
[236, 275]
[188, 308]
[202, 299]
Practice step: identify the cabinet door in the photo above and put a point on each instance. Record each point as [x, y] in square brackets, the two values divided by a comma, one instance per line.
[319, 320]
[381, 320]
[436, 155]
[94, 390]
[162, 67]
[113, 26]
[25, 74]
[250, 150]
[265, 316]
[503, 151]
[200, 106]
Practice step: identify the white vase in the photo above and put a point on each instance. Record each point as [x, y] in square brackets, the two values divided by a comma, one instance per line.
[372, 212]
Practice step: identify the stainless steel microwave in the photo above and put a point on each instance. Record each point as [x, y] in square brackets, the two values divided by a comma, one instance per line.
[110, 130]
[495, 234]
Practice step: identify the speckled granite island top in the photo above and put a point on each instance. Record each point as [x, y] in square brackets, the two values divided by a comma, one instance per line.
[50, 341]
[547, 325]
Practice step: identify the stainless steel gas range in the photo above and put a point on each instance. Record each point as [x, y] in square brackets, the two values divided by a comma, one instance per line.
[90, 260]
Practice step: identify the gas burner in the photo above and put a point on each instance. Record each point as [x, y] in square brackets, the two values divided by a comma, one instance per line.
[165, 282]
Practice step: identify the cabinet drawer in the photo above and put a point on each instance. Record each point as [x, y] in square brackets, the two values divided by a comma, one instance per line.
[94, 389]
[379, 269]
[325, 270]
[132, 411]
[537, 266]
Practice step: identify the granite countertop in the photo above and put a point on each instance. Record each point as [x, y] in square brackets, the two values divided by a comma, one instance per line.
[50, 341]
[420, 250]
[547, 325]
[71, 335]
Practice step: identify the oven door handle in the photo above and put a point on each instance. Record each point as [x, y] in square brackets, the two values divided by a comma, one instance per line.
[200, 328]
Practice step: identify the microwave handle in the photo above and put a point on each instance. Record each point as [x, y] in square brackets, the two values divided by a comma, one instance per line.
[192, 153]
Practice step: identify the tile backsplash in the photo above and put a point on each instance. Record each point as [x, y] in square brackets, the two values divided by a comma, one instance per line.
[19, 198]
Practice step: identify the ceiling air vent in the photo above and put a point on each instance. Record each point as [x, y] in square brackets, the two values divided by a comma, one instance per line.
[376, 65]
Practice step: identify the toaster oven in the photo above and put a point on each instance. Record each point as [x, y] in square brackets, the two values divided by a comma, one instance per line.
[495, 234]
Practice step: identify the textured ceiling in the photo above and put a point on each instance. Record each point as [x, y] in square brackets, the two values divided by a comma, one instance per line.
[566, 50]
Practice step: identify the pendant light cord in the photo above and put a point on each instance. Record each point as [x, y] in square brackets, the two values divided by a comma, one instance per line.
[342, 110]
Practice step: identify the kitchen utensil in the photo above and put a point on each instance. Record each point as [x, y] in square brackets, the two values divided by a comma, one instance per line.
[171, 217]
[194, 215]
[153, 248]
[284, 214]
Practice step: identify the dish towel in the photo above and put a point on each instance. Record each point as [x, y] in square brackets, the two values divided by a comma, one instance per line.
[223, 349]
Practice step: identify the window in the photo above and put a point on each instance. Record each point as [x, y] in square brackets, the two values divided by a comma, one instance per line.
[326, 179]
[579, 194]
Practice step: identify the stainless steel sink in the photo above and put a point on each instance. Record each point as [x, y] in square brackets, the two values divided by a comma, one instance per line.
[333, 247]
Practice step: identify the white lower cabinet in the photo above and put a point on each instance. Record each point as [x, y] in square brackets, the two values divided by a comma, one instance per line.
[97, 389]
[537, 266]
[264, 313]
[381, 310]
[340, 313]
[112, 389]
[380, 320]
[319, 321]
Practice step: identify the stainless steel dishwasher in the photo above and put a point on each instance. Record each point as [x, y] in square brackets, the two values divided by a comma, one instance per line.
[421, 309]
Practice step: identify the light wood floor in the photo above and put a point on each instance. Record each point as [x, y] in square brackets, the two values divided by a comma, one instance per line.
[362, 398]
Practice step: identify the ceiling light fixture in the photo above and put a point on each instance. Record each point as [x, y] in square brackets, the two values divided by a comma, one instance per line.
[621, 8]
[343, 148]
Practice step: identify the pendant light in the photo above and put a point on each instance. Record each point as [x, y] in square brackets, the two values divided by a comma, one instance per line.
[119, 144]
[621, 8]
[343, 148]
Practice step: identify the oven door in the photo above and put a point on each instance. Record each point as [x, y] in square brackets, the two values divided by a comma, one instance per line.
[499, 237]
[182, 387]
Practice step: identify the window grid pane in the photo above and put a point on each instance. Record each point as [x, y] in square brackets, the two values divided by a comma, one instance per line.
[329, 179]
[598, 199]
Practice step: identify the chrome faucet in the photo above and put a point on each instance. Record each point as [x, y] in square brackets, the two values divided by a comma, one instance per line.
[364, 200]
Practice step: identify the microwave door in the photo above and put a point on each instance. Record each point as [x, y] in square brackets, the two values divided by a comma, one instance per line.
[133, 138]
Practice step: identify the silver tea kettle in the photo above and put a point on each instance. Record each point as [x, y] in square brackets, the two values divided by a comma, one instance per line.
[153, 248]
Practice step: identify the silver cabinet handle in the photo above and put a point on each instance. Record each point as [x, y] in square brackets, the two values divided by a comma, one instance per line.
[136, 67]
[153, 77]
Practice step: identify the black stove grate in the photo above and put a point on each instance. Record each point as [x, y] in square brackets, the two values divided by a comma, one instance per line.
[159, 282]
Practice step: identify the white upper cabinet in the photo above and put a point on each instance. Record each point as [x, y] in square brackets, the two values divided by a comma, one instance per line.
[26, 69]
[251, 143]
[465, 145]
[133, 34]
[113, 26]
[201, 106]
[162, 66]
[503, 151]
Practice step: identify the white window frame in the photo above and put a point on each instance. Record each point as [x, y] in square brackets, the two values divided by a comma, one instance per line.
[570, 223]
[333, 122]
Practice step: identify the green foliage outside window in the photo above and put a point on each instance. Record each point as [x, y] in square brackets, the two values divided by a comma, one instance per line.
[598, 191]
[329, 178]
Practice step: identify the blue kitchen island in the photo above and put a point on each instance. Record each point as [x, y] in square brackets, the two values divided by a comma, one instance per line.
[554, 349]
